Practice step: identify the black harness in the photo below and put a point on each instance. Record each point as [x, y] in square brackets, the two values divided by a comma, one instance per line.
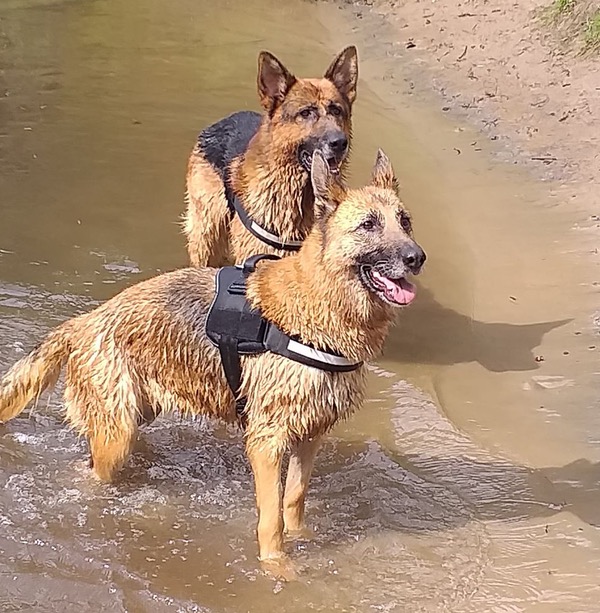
[236, 329]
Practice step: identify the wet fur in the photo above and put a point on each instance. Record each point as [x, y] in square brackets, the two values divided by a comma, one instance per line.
[259, 155]
[145, 351]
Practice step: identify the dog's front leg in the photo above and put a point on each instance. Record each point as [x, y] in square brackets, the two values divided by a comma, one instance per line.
[302, 460]
[266, 466]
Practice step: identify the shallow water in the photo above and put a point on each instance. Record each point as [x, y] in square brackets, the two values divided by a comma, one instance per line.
[465, 484]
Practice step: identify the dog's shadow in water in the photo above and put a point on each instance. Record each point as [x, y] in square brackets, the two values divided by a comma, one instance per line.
[415, 494]
[430, 333]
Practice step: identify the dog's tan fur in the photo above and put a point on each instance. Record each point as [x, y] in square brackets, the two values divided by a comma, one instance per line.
[273, 187]
[145, 351]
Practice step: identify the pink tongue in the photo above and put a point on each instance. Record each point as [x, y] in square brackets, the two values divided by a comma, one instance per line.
[402, 292]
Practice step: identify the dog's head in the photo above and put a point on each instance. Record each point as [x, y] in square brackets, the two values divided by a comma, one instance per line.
[309, 114]
[366, 233]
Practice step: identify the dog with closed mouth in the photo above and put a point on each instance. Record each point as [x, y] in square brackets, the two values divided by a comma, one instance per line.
[147, 350]
[248, 188]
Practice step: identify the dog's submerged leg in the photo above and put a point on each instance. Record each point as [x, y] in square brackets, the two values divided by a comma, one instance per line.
[105, 411]
[301, 464]
[109, 452]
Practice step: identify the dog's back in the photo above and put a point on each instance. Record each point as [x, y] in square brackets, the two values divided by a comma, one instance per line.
[227, 139]
[208, 209]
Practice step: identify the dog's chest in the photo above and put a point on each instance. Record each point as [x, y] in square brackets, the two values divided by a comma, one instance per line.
[300, 398]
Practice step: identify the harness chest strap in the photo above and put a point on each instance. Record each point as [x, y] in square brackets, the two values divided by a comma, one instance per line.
[238, 330]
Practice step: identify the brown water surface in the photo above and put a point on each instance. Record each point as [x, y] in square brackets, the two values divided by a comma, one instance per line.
[469, 482]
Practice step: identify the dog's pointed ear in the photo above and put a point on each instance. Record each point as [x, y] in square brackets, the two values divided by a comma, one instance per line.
[343, 73]
[383, 174]
[274, 81]
[328, 191]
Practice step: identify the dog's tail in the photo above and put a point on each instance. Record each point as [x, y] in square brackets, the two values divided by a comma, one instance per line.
[34, 373]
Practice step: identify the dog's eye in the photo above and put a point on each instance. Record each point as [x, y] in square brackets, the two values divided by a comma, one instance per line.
[305, 113]
[368, 224]
[335, 110]
[405, 222]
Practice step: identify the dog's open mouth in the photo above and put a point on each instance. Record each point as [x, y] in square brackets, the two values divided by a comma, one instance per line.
[306, 161]
[398, 292]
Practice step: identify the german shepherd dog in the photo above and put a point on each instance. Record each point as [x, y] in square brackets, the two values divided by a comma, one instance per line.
[146, 349]
[264, 160]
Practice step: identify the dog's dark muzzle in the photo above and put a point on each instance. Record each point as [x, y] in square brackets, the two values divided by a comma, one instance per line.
[333, 145]
[408, 258]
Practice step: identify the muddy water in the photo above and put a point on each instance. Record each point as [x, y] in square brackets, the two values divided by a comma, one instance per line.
[470, 480]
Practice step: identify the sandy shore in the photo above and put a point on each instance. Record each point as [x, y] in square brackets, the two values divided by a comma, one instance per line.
[498, 66]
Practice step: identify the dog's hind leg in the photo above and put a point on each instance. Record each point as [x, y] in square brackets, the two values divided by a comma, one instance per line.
[109, 451]
[301, 464]
[108, 419]
[207, 214]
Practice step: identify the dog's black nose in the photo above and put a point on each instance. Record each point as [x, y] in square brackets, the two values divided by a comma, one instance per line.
[338, 142]
[413, 257]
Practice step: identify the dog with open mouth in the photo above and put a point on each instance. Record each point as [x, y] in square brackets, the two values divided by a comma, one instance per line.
[147, 349]
[248, 186]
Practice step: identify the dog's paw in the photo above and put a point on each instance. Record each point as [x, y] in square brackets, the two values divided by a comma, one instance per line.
[280, 567]
[300, 534]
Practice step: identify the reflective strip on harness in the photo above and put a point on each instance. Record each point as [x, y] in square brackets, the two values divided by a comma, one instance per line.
[281, 344]
[320, 356]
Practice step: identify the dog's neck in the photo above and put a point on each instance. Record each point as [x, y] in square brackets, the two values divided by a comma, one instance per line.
[306, 296]
[274, 190]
